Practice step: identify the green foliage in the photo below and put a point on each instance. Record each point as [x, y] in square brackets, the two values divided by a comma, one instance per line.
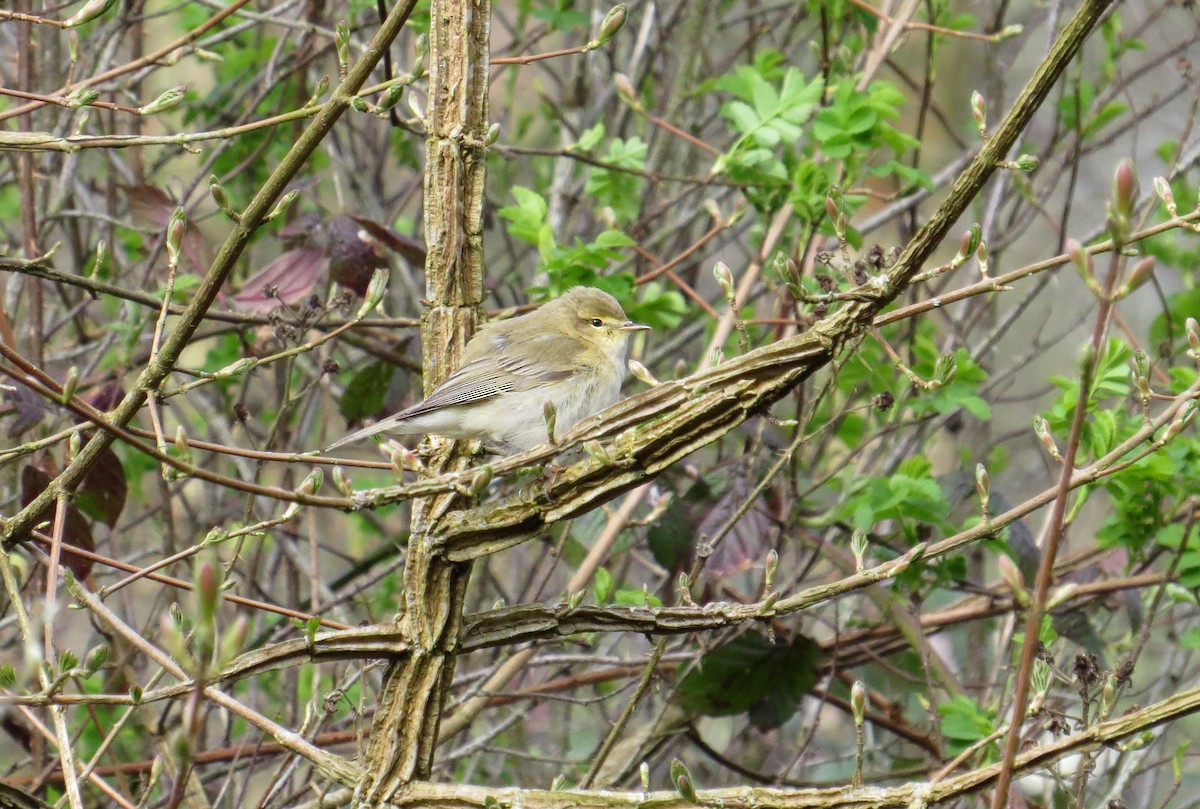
[769, 106]
[794, 137]
[870, 372]
[619, 191]
[964, 723]
[581, 264]
[1077, 110]
[558, 15]
[1110, 382]
[1146, 497]
[602, 585]
[1084, 105]
[854, 122]
[910, 496]
[751, 675]
[367, 390]
[227, 101]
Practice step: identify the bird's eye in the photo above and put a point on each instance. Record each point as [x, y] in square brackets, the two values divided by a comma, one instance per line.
[597, 322]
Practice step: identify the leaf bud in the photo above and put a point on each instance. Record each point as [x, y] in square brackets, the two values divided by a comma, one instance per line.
[550, 415]
[176, 227]
[858, 547]
[341, 481]
[597, 450]
[481, 480]
[1138, 275]
[725, 279]
[70, 385]
[1013, 578]
[626, 91]
[642, 373]
[682, 779]
[611, 25]
[81, 97]
[181, 445]
[979, 111]
[983, 486]
[341, 38]
[168, 100]
[946, 368]
[1125, 188]
[96, 658]
[1027, 163]
[375, 291]
[285, 202]
[858, 701]
[981, 253]
[312, 483]
[1163, 189]
[232, 639]
[90, 11]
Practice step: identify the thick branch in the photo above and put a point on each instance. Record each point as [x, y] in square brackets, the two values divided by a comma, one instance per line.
[454, 796]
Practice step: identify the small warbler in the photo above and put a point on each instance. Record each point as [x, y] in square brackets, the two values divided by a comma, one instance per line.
[570, 352]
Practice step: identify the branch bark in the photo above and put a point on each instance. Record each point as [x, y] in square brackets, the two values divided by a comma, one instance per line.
[405, 730]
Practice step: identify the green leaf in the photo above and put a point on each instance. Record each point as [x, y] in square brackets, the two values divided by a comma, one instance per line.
[636, 598]
[752, 674]
[590, 138]
[366, 392]
[528, 218]
[964, 722]
[602, 584]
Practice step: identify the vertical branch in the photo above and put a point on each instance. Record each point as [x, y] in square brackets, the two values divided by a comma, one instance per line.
[33, 286]
[405, 731]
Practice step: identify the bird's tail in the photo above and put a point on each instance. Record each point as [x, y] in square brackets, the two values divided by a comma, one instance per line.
[391, 424]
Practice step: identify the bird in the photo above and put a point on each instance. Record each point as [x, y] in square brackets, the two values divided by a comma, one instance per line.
[570, 353]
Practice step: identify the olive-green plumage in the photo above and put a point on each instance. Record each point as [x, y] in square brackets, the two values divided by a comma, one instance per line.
[569, 352]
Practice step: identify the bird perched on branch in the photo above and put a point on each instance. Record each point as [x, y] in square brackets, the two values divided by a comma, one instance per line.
[569, 353]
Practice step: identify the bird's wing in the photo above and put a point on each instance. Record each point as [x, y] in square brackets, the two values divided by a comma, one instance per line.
[485, 378]
[487, 373]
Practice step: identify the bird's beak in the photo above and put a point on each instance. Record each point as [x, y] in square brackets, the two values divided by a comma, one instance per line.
[629, 325]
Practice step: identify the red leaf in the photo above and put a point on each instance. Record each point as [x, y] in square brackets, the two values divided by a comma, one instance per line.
[28, 408]
[291, 277]
[77, 530]
[151, 208]
[105, 397]
[102, 493]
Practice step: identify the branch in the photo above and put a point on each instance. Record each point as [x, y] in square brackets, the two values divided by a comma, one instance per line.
[702, 408]
[18, 527]
[918, 794]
